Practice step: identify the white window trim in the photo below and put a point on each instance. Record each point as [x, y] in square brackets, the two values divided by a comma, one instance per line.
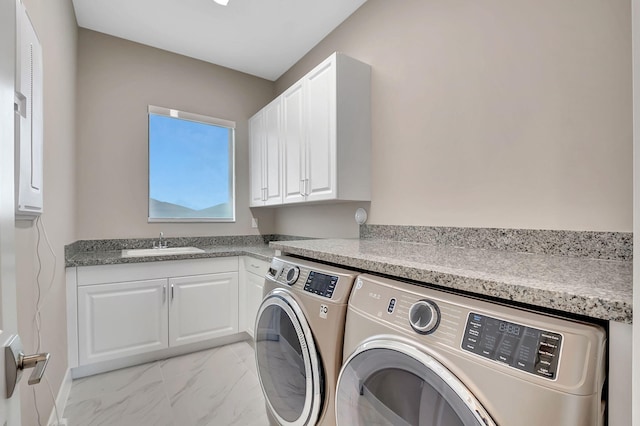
[168, 112]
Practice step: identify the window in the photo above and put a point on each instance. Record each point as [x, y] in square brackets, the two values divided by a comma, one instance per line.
[191, 167]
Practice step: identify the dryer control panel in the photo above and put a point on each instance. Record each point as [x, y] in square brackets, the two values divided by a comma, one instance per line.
[321, 284]
[525, 348]
[320, 280]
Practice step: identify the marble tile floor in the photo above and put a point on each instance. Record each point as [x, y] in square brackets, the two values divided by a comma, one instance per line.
[213, 387]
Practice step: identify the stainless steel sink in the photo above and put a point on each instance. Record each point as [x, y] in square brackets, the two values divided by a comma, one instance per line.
[161, 251]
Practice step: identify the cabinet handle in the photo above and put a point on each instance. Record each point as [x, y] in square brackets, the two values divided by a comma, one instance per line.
[172, 292]
[164, 294]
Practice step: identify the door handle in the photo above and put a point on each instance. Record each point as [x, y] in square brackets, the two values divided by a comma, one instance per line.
[16, 361]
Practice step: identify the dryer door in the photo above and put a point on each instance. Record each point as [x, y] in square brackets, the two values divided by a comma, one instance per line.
[289, 367]
[393, 383]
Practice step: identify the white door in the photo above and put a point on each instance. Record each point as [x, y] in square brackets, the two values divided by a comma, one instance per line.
[123, 319]
[320, 95]
[202, 307]
[294, 144]
[254, 285]
[272, 153]
[256, 159]
[9, 409]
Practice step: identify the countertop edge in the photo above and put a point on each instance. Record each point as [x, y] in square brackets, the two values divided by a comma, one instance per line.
[113, 257]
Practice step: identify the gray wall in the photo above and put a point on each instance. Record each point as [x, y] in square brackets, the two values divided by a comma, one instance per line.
[513, 114]
[117, 80]
[55, 23]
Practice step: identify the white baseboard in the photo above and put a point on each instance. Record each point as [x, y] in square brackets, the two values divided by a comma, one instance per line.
[61, 399]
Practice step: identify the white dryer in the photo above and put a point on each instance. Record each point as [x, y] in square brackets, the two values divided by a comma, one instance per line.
[421, 357]
[298, 340]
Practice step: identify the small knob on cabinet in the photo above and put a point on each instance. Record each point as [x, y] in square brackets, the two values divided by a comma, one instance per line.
[424, 316]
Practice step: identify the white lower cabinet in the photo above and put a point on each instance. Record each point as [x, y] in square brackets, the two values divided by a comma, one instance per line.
[118, 320]
[202, 307]
[251, 286]
[128, 313]
[255, 284]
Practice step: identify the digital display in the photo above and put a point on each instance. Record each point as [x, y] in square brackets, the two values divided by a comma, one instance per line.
[321, 284]
[507, 327]
[525, 348]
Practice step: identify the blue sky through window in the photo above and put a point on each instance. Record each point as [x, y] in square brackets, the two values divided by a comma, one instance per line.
[188, 164]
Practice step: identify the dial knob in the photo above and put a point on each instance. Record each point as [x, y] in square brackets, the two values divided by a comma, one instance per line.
[424, 316]
[292, 275]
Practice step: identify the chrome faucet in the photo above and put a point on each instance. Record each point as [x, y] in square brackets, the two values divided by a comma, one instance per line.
[160, 244]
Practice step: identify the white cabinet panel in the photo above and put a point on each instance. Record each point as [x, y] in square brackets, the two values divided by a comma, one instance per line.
[117, 320]
[266, 155]
[254, 285]
[294, 144]
[257, 137]
[203, 307]
[321, 132]
[273, 153]
[252, 273]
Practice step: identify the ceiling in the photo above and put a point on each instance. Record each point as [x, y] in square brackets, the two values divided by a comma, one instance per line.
[259, 37]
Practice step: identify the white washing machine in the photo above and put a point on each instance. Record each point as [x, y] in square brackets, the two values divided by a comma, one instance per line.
[422, 357]
[298, 340]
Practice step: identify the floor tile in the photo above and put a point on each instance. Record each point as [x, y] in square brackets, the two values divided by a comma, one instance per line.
[147, 406]
[213, 387]
[126, 380]
[194, 363]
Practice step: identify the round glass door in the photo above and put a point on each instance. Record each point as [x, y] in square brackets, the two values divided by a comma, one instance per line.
[287, 361]
[391, 383]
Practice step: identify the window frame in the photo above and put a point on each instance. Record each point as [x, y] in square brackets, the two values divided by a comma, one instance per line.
[197, 118]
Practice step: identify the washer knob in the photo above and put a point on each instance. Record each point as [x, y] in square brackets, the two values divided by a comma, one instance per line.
[424, 316]
[292, 275]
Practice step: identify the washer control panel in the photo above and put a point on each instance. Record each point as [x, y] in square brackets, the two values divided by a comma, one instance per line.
[321, 284]
[525, 348]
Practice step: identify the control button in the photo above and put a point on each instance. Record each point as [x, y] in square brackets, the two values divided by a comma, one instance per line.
[292, 275]
[392, 305]
[424, 316]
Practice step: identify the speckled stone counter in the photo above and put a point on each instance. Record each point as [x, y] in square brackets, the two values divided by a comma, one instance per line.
[109, 252]
[90, 258]
[579, 285]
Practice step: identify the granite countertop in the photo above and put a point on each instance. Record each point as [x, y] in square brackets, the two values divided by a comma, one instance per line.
[579, 285]
[113, 257]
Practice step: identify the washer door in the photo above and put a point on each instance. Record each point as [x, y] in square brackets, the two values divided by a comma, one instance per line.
[288, 363]
[393, 383]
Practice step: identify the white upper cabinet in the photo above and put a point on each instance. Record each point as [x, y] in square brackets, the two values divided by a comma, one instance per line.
[265, 153]
[326, 134]
[294, 145]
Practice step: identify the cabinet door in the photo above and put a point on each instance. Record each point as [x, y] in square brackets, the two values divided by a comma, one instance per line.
[320, 95]
[202, 307]
[118, 320]
[293, 143]
[256, 159]
[255, 285]
[272, 153]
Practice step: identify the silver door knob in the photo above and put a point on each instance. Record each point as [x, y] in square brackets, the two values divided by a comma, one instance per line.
[16, 361]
